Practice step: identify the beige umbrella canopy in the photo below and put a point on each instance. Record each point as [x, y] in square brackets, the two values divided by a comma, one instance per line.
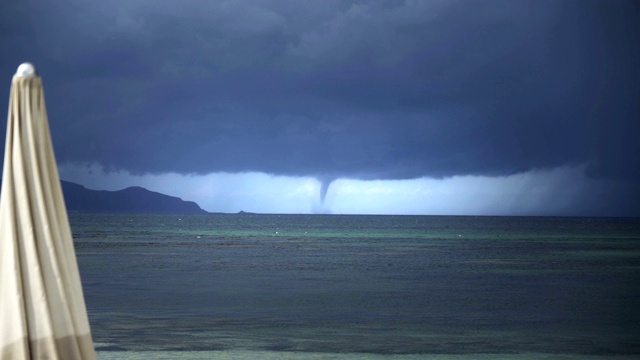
[42, 309]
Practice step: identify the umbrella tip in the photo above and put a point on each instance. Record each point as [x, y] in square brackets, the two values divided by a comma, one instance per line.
[26, 70]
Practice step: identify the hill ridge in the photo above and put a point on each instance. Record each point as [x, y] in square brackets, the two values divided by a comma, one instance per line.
[133, 199]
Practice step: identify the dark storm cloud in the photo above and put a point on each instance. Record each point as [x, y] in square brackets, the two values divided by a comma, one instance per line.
[379, 89]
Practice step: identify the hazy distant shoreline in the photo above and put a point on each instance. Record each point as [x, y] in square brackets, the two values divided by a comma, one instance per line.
[130, 200]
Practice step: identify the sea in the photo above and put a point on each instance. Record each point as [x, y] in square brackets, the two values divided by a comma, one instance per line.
[255, 286]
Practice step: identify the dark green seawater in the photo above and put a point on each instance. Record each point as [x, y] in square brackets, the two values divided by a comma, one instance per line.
[320, 286]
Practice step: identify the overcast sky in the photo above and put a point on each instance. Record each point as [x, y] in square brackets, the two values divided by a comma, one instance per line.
[390, 107]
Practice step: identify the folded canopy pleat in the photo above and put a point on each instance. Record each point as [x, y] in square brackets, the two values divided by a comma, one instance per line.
[42, 309]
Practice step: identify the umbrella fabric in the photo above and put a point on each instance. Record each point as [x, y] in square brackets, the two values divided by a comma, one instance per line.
[42, 308]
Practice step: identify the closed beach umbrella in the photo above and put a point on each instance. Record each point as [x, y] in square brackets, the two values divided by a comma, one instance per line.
[42, 309]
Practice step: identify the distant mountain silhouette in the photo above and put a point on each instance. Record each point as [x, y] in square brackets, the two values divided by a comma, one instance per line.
[130, 200]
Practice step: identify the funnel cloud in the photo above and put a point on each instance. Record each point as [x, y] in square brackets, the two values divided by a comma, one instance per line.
[325, 183]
